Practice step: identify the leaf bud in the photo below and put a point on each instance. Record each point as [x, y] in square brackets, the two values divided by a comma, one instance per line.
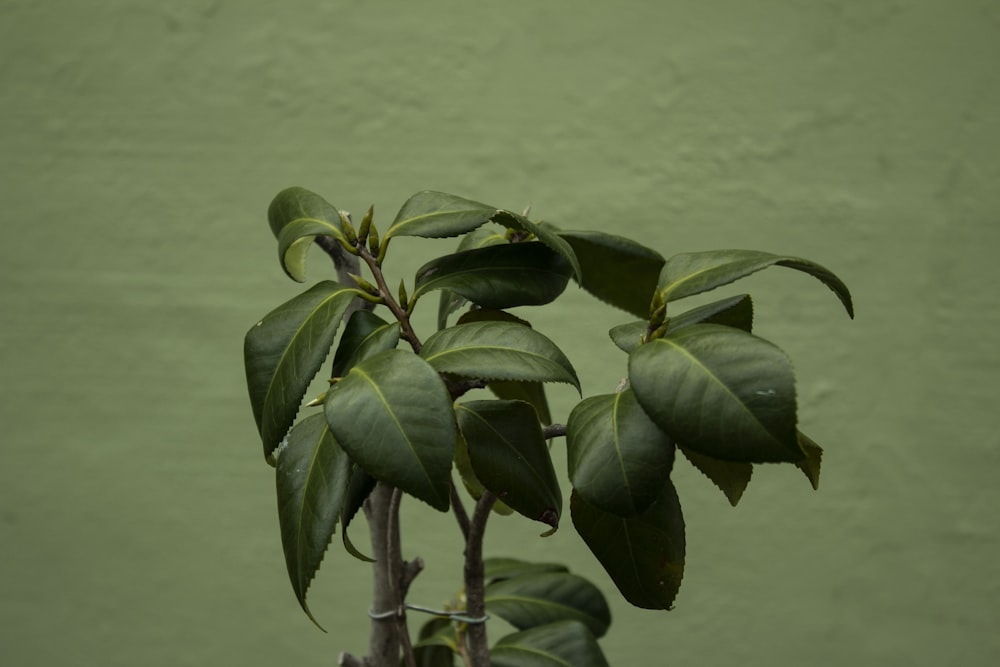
[366, 223]
[364, 284]
[373, 241]
[345, 224]
[403, 297]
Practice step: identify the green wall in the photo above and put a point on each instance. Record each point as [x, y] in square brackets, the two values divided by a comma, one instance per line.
[141, 142]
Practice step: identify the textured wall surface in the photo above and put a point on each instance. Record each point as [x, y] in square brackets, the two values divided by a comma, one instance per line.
[141, 142]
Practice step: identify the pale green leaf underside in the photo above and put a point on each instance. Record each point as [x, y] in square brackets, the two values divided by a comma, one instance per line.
[731, 477]
[284, 351]
[311, 477]
[693, 273]
[562, 644]
[393, 415]
[498, 351]
[720, 391]
[438, 215]
[295, 240]
[298, 203]
[539, 599]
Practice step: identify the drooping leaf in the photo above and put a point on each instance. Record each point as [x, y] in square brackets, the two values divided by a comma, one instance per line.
[283, 352]
[562, 644]
[438, 215]
[545, 234]
[811, 463]
[358, 489]
[392, 413]
[618, 458]
[721, 391]
[449, 301]
[693, 273]
[500, 276]
[643, 554]
[365, 335]
[295, 240]
[311, 479]
[496, 569]
[297, 203]
[731, 477]
[531, 600]
[498, 351]
[509, 456]
[735, 311]
[616, 270]
[472, 484]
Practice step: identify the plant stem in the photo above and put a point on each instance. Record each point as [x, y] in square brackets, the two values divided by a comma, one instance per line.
[394, 564]
[407, 331]
[475, 597]
[459, 510]
[383, 643]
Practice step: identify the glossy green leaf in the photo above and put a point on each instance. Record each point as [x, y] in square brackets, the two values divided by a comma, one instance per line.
[643, 554]
[562, 644]
[496, 569]
[721, 391]
[731, 477]
[365, 335]
[438, 215]
[500, 276]
[295, 240]
[811, 463]
[545, 234]
[539, 599]
[532, 393]
[311, 478]
[616, 270]
[498, 351]
[297, 203]
[284, 351]
[694, 273]
[358, 489]
[510, 457]
[735, 311]
[472, 484]
[618, 458]
[392, 413]
[450, 301]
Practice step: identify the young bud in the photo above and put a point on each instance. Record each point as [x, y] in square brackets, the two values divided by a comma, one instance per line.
[373, 242]
[345, 224]
[364, 284]
[366, 223]
[403, 298]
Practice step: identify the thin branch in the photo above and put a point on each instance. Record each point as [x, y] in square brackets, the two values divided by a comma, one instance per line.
[475, 598]
[554, 431]
[407, 331]
[458, 508]
[394, 562]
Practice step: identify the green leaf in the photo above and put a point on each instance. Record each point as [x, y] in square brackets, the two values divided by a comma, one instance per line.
[644, 554]
[392, 413]
[811, 463]
[618, 458]
[496, 569]
[311, 479]
[500, 276]
[295, 240]
[438, 215]
[449, 301]
[532, 393]
[498, 351]
[694, 273]
[616, 270]
[365, 335]
[539, 599]
[297, 203]
[283, 352]
[358, 490]
[509, 456]
[736, 311]
[562, 644]
[469, 479]
[436, 644]
[720, 391]
[545, 234]
[731, 477]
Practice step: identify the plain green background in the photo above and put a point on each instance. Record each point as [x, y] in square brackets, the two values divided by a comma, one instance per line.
[141, 142]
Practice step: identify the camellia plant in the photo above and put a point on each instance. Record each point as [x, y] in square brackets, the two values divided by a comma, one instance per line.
[396, 420]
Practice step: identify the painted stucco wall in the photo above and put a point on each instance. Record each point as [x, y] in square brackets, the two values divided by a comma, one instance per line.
[140, 143]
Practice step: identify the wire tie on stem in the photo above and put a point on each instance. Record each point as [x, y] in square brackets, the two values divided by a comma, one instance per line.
[452, 615]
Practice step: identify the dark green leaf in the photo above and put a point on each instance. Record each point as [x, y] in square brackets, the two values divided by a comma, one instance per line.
[297, 216]
[283, 352]
[532, 393]
[644, 554]
[811, 463]
[628, 336]
[500, 276]
[618, 459]
[736, 311]
[365, 335]
[311, 477]
[496, 569]
[617, 270]
[449, 301]
[469, 479]
[694, 273]
[731, 477]
[498, 351]
[393, 415]
[358, 490]
[436, 644]
[545, 234]
[562, 644]
[539, 599]
[297, 203]
[438, 215]
[721, 391]
[509, 456]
